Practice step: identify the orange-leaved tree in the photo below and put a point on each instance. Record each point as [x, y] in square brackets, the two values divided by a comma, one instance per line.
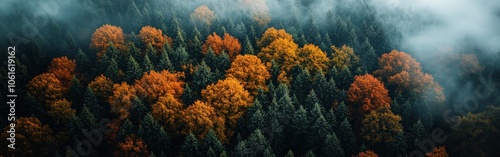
[404, 74]
[63, 68]
[437, 152]
[132, 146]
[228, 44]
[344, 57]
[313, 58]
[107, 34]
[199, 118]
[367, 153]
[381, 125]
[367, 93]
[168, 111]
[46, 88]
[121, 99]
[154, 84]
[203, 14]
[155, 37]
[250, 71]
[102, 86]
[35, 137]
[272, 34]
[282, 51]
[229, 99]
[61, 112]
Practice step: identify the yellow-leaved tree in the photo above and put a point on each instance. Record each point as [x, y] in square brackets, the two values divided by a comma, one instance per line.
[250, 71]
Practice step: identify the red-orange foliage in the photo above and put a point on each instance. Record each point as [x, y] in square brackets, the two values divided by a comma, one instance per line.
[401, 71]
[367, 153]
[121, 100]
[367, 93]
[61, 111]
[437, 152]
[155, 37]
[32, 138]
[228, 44]
[46, 88]
[106, 34]
[203, 14]
[132, 146]
[63, 68]
[199, 118]
[102, 86]
[154, 84]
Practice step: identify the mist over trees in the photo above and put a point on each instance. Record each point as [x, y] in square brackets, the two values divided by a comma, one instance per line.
[252, 78]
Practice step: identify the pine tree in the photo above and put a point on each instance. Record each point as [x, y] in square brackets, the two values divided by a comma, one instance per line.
[138, 110]
[126, 129]
[154, 135]
[202, 77]
[179, 58]
[90, 100]
[134, 71]
[310, 153]
[344, 78]
[151, 53]
[342, 112]
[256, 121]
[399, 146]
[164, 63]
[112, 71]
[417, 131]
[190, 148]
[319, 131]
[347, 138]
[332, 147]
[82, 61]
[275, 71]
[75, 92]
[188, 95]
[257, 144]
[299, 129]
[311, 99]
[147, 65]
[248, 47]
[301, 83]
[211, 142]
[289, 154]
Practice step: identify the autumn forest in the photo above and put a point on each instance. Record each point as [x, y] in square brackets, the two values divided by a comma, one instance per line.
[264, 78]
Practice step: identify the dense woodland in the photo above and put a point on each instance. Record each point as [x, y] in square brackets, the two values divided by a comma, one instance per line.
[179, 78]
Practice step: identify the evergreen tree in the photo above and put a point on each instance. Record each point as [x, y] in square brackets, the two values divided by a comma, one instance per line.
[153, 135]
[332, 147]
[326, 90]
[179, 58]
[75, 92]
[212, 143]
[82, 62]
[299, 130]
[90, 100]
[257, 120]
[319, 131]
[301, 83]
[258, 145]
[202, 77]
[147, 65]
[188, 95]
[310, 153]
[151, 53]
[164, 63]
[112, 71]
[344, 78]
[417, 131]
[190, 148]
[342, 112]
[289, 154]
[127, 128]
[347, 138]
[275, 71]
[311, 99]
[248, 47]
[138, 110]
[134, 71]
[399, 146]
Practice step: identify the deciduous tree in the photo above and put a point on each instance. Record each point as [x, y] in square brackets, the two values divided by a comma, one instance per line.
[155, 37]
[203, 14]
[199, 118]
[313, 58]
[404, 74]
[46, 88]
[367, 93]
[381, 125]
[132, 146]
[437, 152]
[34, 136]
[250, 71]
[63, 68]
[271, 34]
[229, 99]
[121, 99]
[168, 111]
[344, 57]
[102, 86]
[282, 51]
[228, 44]
[107, 34]
[154, 84]
[61, 111]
